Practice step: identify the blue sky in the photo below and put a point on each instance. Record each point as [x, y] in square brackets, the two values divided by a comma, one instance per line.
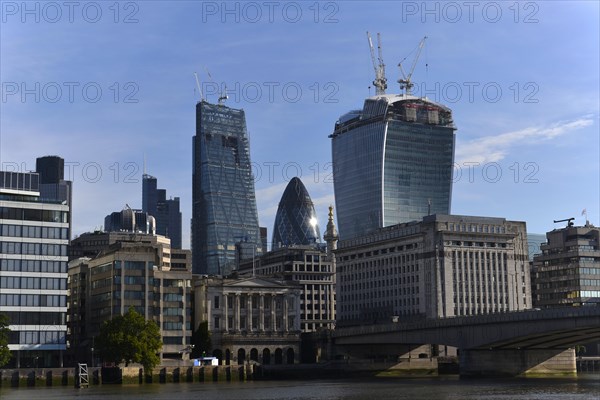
[521, 78]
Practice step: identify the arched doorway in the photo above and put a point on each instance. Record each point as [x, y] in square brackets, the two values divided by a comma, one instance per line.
[290, 356]
[266, 357]
[254, 355]
[227, 357]
[241, 356]
[219, 354]
[278, 356]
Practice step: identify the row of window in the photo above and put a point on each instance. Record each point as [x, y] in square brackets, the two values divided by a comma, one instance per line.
[16, 282]
[38, 232]
[33, 300]
[26, 214]
[37, 337]
[35, 318]
[33, 249]
[33, 266]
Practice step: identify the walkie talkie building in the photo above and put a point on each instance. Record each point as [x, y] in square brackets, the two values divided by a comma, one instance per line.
[392, 163]
[224, 216]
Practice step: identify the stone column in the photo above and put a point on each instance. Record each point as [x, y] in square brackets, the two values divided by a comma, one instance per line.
[249, 312]
[273, 315]
[226, 312]
[285, 313]
[261, 313]
[236, 322]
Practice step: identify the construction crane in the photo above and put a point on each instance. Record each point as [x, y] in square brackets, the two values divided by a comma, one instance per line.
[569, 221]
[380, 81]
[406, 83]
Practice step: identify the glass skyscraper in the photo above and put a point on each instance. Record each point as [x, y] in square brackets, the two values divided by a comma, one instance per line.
[224, 216]
[392, 163]
[166, 211]
[296, 219]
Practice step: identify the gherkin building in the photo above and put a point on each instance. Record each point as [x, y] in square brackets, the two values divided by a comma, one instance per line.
[296, 219]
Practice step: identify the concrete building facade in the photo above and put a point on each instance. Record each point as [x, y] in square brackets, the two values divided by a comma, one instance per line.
[136, 274]
[442, 266]
[250, 319]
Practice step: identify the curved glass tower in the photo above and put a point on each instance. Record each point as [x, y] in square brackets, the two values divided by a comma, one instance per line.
[224, 212]
[296, 219]
[392, 163]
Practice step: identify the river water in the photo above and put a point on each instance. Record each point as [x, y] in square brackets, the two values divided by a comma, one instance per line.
[583, 388]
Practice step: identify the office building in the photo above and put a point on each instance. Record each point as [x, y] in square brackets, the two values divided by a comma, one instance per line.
[296, 219]
[392, 163]
[250, 319]
[535, 242]
[441, 266]
[166, 211]
[224, 204]
[34, 236]
[567, 271]
[133, 273]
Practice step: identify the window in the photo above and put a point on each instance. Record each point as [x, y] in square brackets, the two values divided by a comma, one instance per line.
[216, 303]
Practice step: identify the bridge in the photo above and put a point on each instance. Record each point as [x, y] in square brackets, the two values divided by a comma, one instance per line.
[515, 343]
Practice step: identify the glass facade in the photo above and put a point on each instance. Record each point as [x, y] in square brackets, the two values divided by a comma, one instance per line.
[392, 163]
[34, 235]
[165, 211]
[224, 204]
[296, 219]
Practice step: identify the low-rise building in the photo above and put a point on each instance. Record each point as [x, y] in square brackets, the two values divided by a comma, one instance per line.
[250, 319]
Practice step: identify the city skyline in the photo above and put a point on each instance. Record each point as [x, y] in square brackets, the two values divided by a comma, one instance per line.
[537, 140]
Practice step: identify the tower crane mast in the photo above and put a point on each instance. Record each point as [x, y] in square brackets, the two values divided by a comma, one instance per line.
[406, 83]
[380, 81]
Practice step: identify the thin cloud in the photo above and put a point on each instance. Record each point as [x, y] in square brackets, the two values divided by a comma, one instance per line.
[495, 148]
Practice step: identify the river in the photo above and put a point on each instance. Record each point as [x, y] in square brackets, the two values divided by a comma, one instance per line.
[448, 388]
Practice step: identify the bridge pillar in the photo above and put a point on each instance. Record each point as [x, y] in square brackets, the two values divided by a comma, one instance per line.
[517, 362]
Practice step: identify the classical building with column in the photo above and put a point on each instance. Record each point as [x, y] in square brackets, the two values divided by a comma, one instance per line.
[250, 319]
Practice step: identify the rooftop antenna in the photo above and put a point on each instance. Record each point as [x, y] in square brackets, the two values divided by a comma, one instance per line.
[406, 83]
[144, 163]
[380, 81]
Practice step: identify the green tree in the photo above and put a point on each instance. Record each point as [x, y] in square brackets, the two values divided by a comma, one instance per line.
[4, 351]
[201, 340]
[130, 338]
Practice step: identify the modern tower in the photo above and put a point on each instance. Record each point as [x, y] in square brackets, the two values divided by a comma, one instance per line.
[224, 205]
[53, 186]
[296, 219]
[166, 211]
[392, 163]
